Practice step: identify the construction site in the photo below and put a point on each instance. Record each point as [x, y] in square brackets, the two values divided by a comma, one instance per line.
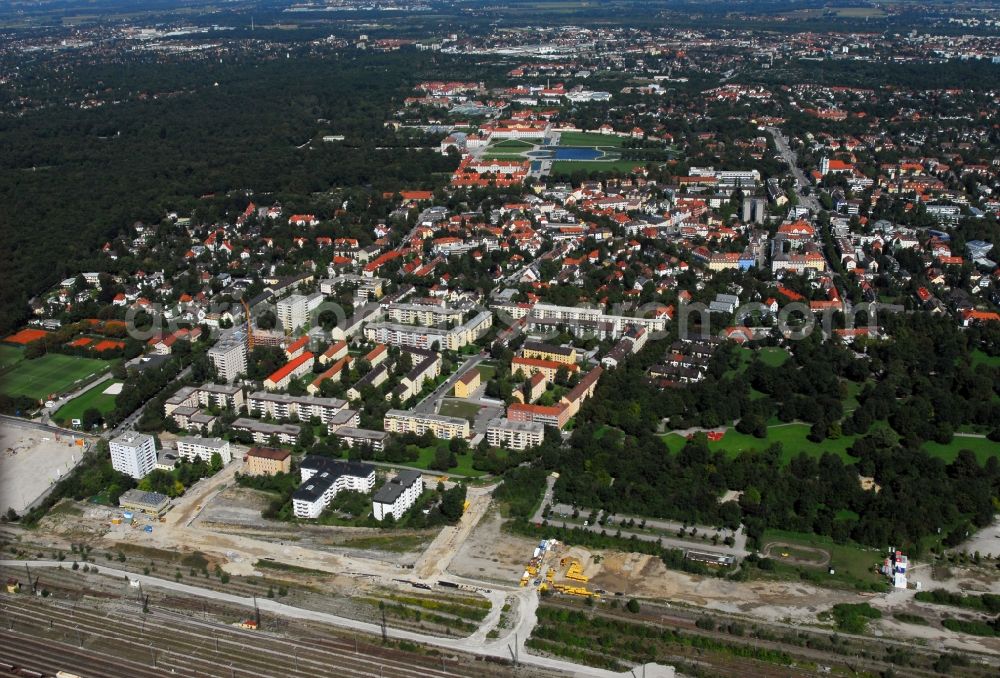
[475, 587]
[32, 459]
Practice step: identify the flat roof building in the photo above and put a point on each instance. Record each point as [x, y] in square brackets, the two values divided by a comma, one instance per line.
[397, 496]
[514, 435]
[133, 454]
[323, 479]
[267, 461]
[144, 502]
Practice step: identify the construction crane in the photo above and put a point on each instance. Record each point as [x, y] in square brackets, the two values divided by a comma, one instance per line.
[246, 312]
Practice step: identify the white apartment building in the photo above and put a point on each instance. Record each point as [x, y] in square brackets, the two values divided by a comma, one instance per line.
[301, 408]
[404, 421]
[514, 435]
[192, 448]
[433, 338]
[229, 355]
[323, 479]
[398, 495]
[615, 323]
[423, 314]
[293, 311]
[133, 454]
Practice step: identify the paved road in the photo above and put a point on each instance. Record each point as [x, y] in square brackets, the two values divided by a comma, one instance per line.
[129, 422]
[8, 420]
[497, 648]
[790, 157]
[432, 403]
[738, 549]
[47, 412]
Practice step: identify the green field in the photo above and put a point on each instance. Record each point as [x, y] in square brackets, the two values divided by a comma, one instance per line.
[463, 468]
[52, 373]
[95, 397]
[507, 155]
[590, 139]
[853, 564]
[459, 408]
[979, 358]
[10, 355]
[981, 447]
[517, 144]
[791, 436]
[793, 439]
[486, 371]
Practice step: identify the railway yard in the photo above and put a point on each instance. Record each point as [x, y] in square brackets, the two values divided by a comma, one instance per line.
[85, 628]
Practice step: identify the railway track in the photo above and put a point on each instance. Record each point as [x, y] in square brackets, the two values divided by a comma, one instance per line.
[194, 647]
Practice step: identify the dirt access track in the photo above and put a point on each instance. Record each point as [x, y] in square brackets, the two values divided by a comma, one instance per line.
[776, 549]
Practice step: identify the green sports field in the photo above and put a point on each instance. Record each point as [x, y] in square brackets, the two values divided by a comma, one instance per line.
[590, 139]
[52, 373]
[9, 355]
[95, 397]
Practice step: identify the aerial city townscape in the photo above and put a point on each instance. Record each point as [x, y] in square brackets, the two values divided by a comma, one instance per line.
[430, 338]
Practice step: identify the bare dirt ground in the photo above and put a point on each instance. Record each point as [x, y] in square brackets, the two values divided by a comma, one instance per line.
[492, 554]
[237, 510]
[986, 540]
[30, 461]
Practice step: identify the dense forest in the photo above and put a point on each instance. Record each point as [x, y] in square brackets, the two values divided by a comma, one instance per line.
[72, 179]
[919, 387]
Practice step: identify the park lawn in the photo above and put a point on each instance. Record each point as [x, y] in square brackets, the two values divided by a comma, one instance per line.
[489, 155]
[854, 564]
[791, 436]
[463, 468]
[979, 358]
[51, 373]
[590, 139]
[486, 371]
[570, 166]
[983, 448]
[94, 397]
[851, 401]
[10, 356]
[459, 408]
[772, 356]
[522, 144]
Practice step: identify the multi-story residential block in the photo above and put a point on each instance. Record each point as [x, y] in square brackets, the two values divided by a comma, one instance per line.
[398, 495]
[192, 448]
[133, 454]
[466, 385]
[323, 479]
[433, 338]
[300, 408]
[361, 437]
[549, 368]
[559, 354]
[294, 310]
[514, 435]
[291, 370]
[262, 432]
[404, 421]
[547, 415]
[424, 313]
[267, 461]
[229, 355]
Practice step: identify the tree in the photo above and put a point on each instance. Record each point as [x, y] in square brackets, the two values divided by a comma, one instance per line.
[453, 503]
[632, 606]
[216, 463]
[91, 418]
[266, 320]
